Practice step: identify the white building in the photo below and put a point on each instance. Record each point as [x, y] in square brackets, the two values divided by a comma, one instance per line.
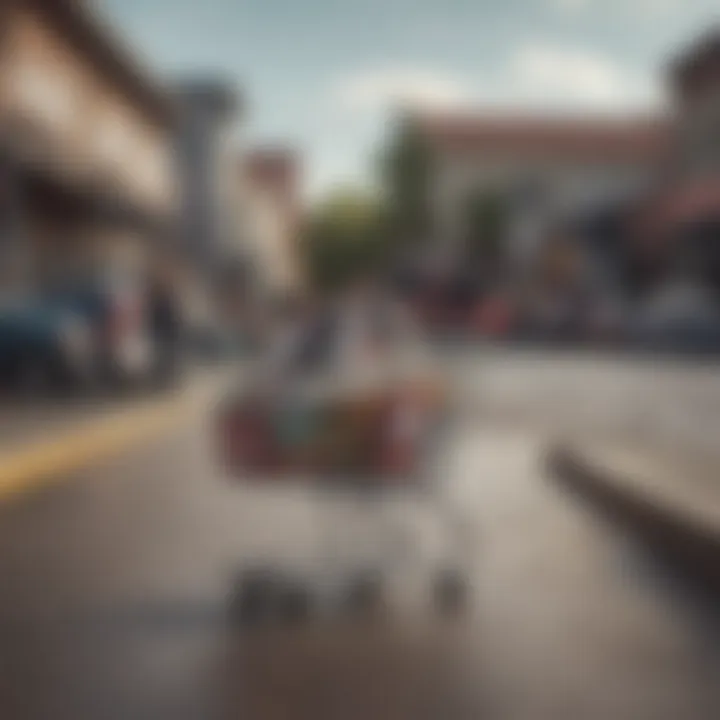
[268, 202]
[546, 168]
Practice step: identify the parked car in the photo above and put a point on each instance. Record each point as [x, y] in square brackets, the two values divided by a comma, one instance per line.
[43, 343]
[116, 312]
[346, 392]
[678, 317]
[94, 332]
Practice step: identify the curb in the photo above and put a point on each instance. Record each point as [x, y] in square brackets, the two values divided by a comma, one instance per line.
[691, 547]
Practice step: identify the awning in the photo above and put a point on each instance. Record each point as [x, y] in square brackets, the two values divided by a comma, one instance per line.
[683, 204]
[37, 167]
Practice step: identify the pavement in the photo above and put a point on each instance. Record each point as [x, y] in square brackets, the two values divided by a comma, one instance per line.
[637, 435]
[116, 583]
[43, 441]
[643, 402]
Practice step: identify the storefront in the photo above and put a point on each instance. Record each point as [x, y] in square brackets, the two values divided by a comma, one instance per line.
[85, 143]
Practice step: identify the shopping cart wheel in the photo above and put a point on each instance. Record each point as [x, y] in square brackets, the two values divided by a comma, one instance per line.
[364, 593]
[295, 601]
[450, 592]
[254, 596]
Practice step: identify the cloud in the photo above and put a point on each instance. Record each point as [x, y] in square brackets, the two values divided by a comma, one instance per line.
[536, 75]
[382, 88]
[636, 7]
[575, 77]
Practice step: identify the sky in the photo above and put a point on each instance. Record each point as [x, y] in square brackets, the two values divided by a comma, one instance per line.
[324, 75]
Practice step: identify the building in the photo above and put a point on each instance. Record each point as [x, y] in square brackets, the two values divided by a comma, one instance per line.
[677, 224]
[695, 85]
[86, 177]
[208, 108]
[269, 187]
[543, 168]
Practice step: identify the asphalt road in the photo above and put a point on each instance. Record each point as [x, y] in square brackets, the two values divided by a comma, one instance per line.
[114, 587]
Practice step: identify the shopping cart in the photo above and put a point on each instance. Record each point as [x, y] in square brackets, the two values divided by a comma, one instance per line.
[376, 458]
[367, 433]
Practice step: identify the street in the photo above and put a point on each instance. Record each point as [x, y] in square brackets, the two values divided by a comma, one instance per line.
[445, 277]
[115, 585]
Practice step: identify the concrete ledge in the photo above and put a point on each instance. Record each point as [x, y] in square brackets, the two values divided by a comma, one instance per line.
[688, 539]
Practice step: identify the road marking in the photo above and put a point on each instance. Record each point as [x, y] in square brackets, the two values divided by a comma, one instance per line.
[42, 461]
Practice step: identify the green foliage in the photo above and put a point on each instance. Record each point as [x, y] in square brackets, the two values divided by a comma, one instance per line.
[406, 168]
[353, 233]
[485, 227]
[344, 239]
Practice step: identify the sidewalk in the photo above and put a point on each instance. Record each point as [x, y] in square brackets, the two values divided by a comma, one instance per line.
[670, 499]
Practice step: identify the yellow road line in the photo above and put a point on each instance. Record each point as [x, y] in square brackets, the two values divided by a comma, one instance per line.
[89, 442]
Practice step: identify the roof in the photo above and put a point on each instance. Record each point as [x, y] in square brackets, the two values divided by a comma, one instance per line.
[561, 138]
[688, 201]
[272, 167]
[271, 160]
[93, 35]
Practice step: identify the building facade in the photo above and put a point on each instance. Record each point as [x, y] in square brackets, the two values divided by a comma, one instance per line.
[269, 188]
[206, 170]
[86, 177]
[677, 224]
[695, 85]
[543, 168]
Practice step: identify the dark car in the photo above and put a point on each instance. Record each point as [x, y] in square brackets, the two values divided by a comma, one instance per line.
[86, 333]
[42, 342]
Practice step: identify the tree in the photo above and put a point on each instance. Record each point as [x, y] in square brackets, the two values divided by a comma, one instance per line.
[344, 238]
[485, 229]
[353, 232]
[406, 168]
